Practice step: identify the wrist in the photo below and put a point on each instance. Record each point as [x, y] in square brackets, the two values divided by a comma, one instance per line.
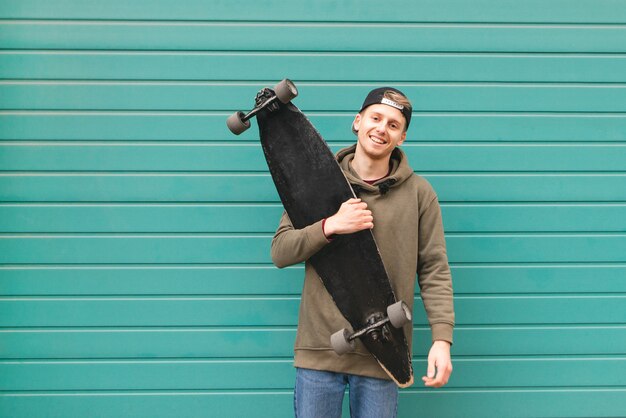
[328, 227]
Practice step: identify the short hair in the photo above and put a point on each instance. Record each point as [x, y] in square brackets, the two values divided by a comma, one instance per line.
[399, 98]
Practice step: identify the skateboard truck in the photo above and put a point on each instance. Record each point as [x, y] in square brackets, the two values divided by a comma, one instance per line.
[284, 91]
[398, 315]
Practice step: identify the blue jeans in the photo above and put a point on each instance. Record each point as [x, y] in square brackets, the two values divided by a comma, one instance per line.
[320, 394]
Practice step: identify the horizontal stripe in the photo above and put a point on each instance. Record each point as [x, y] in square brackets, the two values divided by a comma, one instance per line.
[166, 187]
[309, 37]
[313, 96]
[234, 158]
[186, 279]
[202, 248]
[557, 402]
[538, 278]
[268, 280]
[588, 11]
[312, 66]
[250, 374]
[282, 311]
[496, 403]
[274, 403]
[529, 217]
[278, 342]
[263, 218]
[174, 126]
[138, 218]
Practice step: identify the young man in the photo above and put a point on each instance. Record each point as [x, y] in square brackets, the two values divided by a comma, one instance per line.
[403, 212]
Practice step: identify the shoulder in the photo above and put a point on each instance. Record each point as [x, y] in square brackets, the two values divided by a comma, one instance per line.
[422, 186]
[425, 193]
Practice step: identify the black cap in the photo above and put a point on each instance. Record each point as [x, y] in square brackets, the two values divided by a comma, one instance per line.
[377, 96]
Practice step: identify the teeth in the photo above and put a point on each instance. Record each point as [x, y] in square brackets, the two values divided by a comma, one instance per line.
[377, 140]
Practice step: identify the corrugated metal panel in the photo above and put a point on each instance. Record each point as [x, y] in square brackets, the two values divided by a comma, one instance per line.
[134, 228]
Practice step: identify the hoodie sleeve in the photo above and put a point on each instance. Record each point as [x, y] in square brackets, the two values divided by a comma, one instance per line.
[433, 271]
[293, 246]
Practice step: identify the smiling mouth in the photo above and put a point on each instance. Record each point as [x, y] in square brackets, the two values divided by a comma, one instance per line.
[377, 140]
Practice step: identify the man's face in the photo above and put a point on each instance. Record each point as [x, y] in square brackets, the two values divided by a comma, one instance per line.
[380, 129]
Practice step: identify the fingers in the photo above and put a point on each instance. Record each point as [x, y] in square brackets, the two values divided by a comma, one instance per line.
[439, 365]
[362, 216]
[444, 376]
[353, 216]
[439, 375]
[359, 207]
[430, 372]
[355, 203]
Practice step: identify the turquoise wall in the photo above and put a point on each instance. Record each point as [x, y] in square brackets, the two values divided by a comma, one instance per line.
[135, 276]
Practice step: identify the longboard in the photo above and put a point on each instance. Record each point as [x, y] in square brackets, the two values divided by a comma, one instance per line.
[312, 186]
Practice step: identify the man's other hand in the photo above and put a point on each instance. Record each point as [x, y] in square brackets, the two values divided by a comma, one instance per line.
[438, 361]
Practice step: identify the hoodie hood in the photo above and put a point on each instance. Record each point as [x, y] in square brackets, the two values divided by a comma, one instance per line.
[399, 173]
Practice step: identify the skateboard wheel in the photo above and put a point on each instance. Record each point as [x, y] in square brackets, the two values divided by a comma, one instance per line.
[399, 314]
[286, 91]
[236, 124]
[340, 343]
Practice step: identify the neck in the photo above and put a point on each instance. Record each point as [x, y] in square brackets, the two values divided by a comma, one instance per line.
[368, 168]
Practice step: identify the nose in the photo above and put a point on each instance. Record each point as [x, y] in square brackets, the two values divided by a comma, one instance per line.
[380, 126]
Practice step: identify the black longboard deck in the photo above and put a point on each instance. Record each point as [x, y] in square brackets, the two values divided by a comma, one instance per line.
[312, 186]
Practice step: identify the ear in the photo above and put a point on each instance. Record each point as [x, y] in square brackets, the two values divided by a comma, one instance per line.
[357, 122]
[401, 141]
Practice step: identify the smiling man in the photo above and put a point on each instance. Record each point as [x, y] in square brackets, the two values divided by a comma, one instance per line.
[402, 210]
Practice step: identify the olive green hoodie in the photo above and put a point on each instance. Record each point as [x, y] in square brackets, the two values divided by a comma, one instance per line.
[409, 232]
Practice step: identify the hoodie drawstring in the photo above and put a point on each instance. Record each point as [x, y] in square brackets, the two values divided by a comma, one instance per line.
[383, 187]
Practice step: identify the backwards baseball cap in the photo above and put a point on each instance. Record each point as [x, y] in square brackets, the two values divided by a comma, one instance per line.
[377, 96]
